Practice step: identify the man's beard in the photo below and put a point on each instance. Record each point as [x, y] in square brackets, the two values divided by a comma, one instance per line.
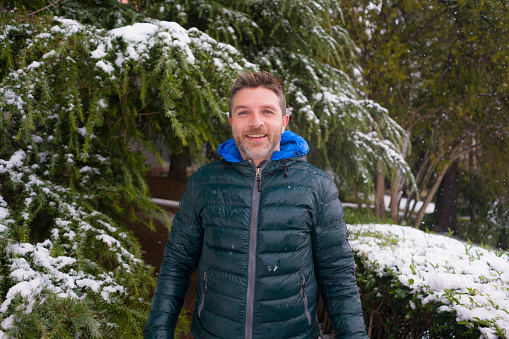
[257, 152]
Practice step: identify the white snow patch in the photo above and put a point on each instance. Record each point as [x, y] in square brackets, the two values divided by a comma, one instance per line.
[105, 65]
[37, 139]
[7, 324]
[4, 212]
[100, 52]
[138, 32]
[27, 289]
[82, 131]
[92, 284]
[16, 160]
[43, 36]
[34, 65]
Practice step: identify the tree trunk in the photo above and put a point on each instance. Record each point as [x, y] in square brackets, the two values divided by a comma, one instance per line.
[178, 165]
[408, 210]
[356, 194]
[431, 194]
[447, 200]
[398, 183]
[472, 203]
[380, 192]
[394, 198]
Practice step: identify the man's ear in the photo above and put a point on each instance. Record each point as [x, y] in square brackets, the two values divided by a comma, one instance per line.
[285, 122]
[230, 120]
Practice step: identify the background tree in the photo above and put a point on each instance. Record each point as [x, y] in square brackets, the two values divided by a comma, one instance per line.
[441, 70]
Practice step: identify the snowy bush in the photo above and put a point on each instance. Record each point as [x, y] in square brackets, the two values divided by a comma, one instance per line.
[73, 100]
[415, 283]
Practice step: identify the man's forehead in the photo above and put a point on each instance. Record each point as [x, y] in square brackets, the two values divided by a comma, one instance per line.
[259, 93]
[268, 106]
[259, 89]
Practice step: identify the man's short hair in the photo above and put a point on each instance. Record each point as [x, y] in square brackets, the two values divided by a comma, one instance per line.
[258, 79]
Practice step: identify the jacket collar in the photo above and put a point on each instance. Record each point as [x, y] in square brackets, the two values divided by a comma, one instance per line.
[291, 145]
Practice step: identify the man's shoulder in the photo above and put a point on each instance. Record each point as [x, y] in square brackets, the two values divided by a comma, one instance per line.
[309, 170]
[211, 166]
[302, 173]
[208, 169]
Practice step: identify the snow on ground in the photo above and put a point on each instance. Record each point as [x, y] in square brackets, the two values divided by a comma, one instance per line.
[417, 205]
[468, 279]
[402, 204]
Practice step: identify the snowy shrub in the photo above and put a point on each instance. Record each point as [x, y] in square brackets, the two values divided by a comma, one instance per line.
[415, 283]
[73, 100]
[354, 216]
[488, 233]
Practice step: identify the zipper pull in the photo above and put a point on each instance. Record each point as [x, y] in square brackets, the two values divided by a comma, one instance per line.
[259, 178]
[302, 292]
[204, 282]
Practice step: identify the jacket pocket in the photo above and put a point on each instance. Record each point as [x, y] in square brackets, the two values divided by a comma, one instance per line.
[305, 300]
[204, 291]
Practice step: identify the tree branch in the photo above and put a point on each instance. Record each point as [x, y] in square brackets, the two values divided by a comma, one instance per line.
[42, 9]
[419, 31]
[463, 151]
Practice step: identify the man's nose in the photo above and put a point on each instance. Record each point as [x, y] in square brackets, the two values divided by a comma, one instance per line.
[256, 119]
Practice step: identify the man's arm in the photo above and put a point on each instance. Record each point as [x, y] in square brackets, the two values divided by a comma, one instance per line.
[335, 269]
[181, 256]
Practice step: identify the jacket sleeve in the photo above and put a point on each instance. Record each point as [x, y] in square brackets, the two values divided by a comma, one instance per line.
[335, 268]
[181, 256]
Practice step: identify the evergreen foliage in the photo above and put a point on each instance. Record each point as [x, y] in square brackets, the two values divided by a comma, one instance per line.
[305, 44]
[76, 103]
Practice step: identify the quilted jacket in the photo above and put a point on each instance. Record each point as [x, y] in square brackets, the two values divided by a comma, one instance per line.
[262, 239]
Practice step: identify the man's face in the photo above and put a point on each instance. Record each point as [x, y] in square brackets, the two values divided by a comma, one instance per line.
[257, 123]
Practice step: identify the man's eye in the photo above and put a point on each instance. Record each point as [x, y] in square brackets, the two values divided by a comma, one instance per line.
[241, 112]
[268, 112]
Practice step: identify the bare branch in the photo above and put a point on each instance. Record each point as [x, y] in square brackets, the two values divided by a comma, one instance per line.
[42, 9]
[463, 151]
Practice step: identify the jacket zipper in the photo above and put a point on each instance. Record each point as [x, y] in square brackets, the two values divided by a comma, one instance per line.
[305, 299]
[200, 308]
[257, 188]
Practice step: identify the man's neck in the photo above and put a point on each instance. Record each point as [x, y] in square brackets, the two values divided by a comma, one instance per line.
[257, 162]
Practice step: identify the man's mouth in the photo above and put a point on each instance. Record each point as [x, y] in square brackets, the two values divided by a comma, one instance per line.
[256, 135]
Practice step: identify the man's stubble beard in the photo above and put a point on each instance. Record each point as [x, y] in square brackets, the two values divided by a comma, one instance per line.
[256, 152]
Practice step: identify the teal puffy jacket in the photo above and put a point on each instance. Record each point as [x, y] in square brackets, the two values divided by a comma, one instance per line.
[262, 240]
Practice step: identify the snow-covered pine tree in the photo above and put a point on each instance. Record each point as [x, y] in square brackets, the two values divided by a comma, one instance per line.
[305, 43]
[74, 99]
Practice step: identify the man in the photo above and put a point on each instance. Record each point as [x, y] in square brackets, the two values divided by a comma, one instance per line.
[263, 227]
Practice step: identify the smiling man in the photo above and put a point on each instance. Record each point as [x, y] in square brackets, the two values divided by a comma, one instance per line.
[264, 229]
[258, 118]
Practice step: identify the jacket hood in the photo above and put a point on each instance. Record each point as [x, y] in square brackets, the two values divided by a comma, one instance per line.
[291, 145]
